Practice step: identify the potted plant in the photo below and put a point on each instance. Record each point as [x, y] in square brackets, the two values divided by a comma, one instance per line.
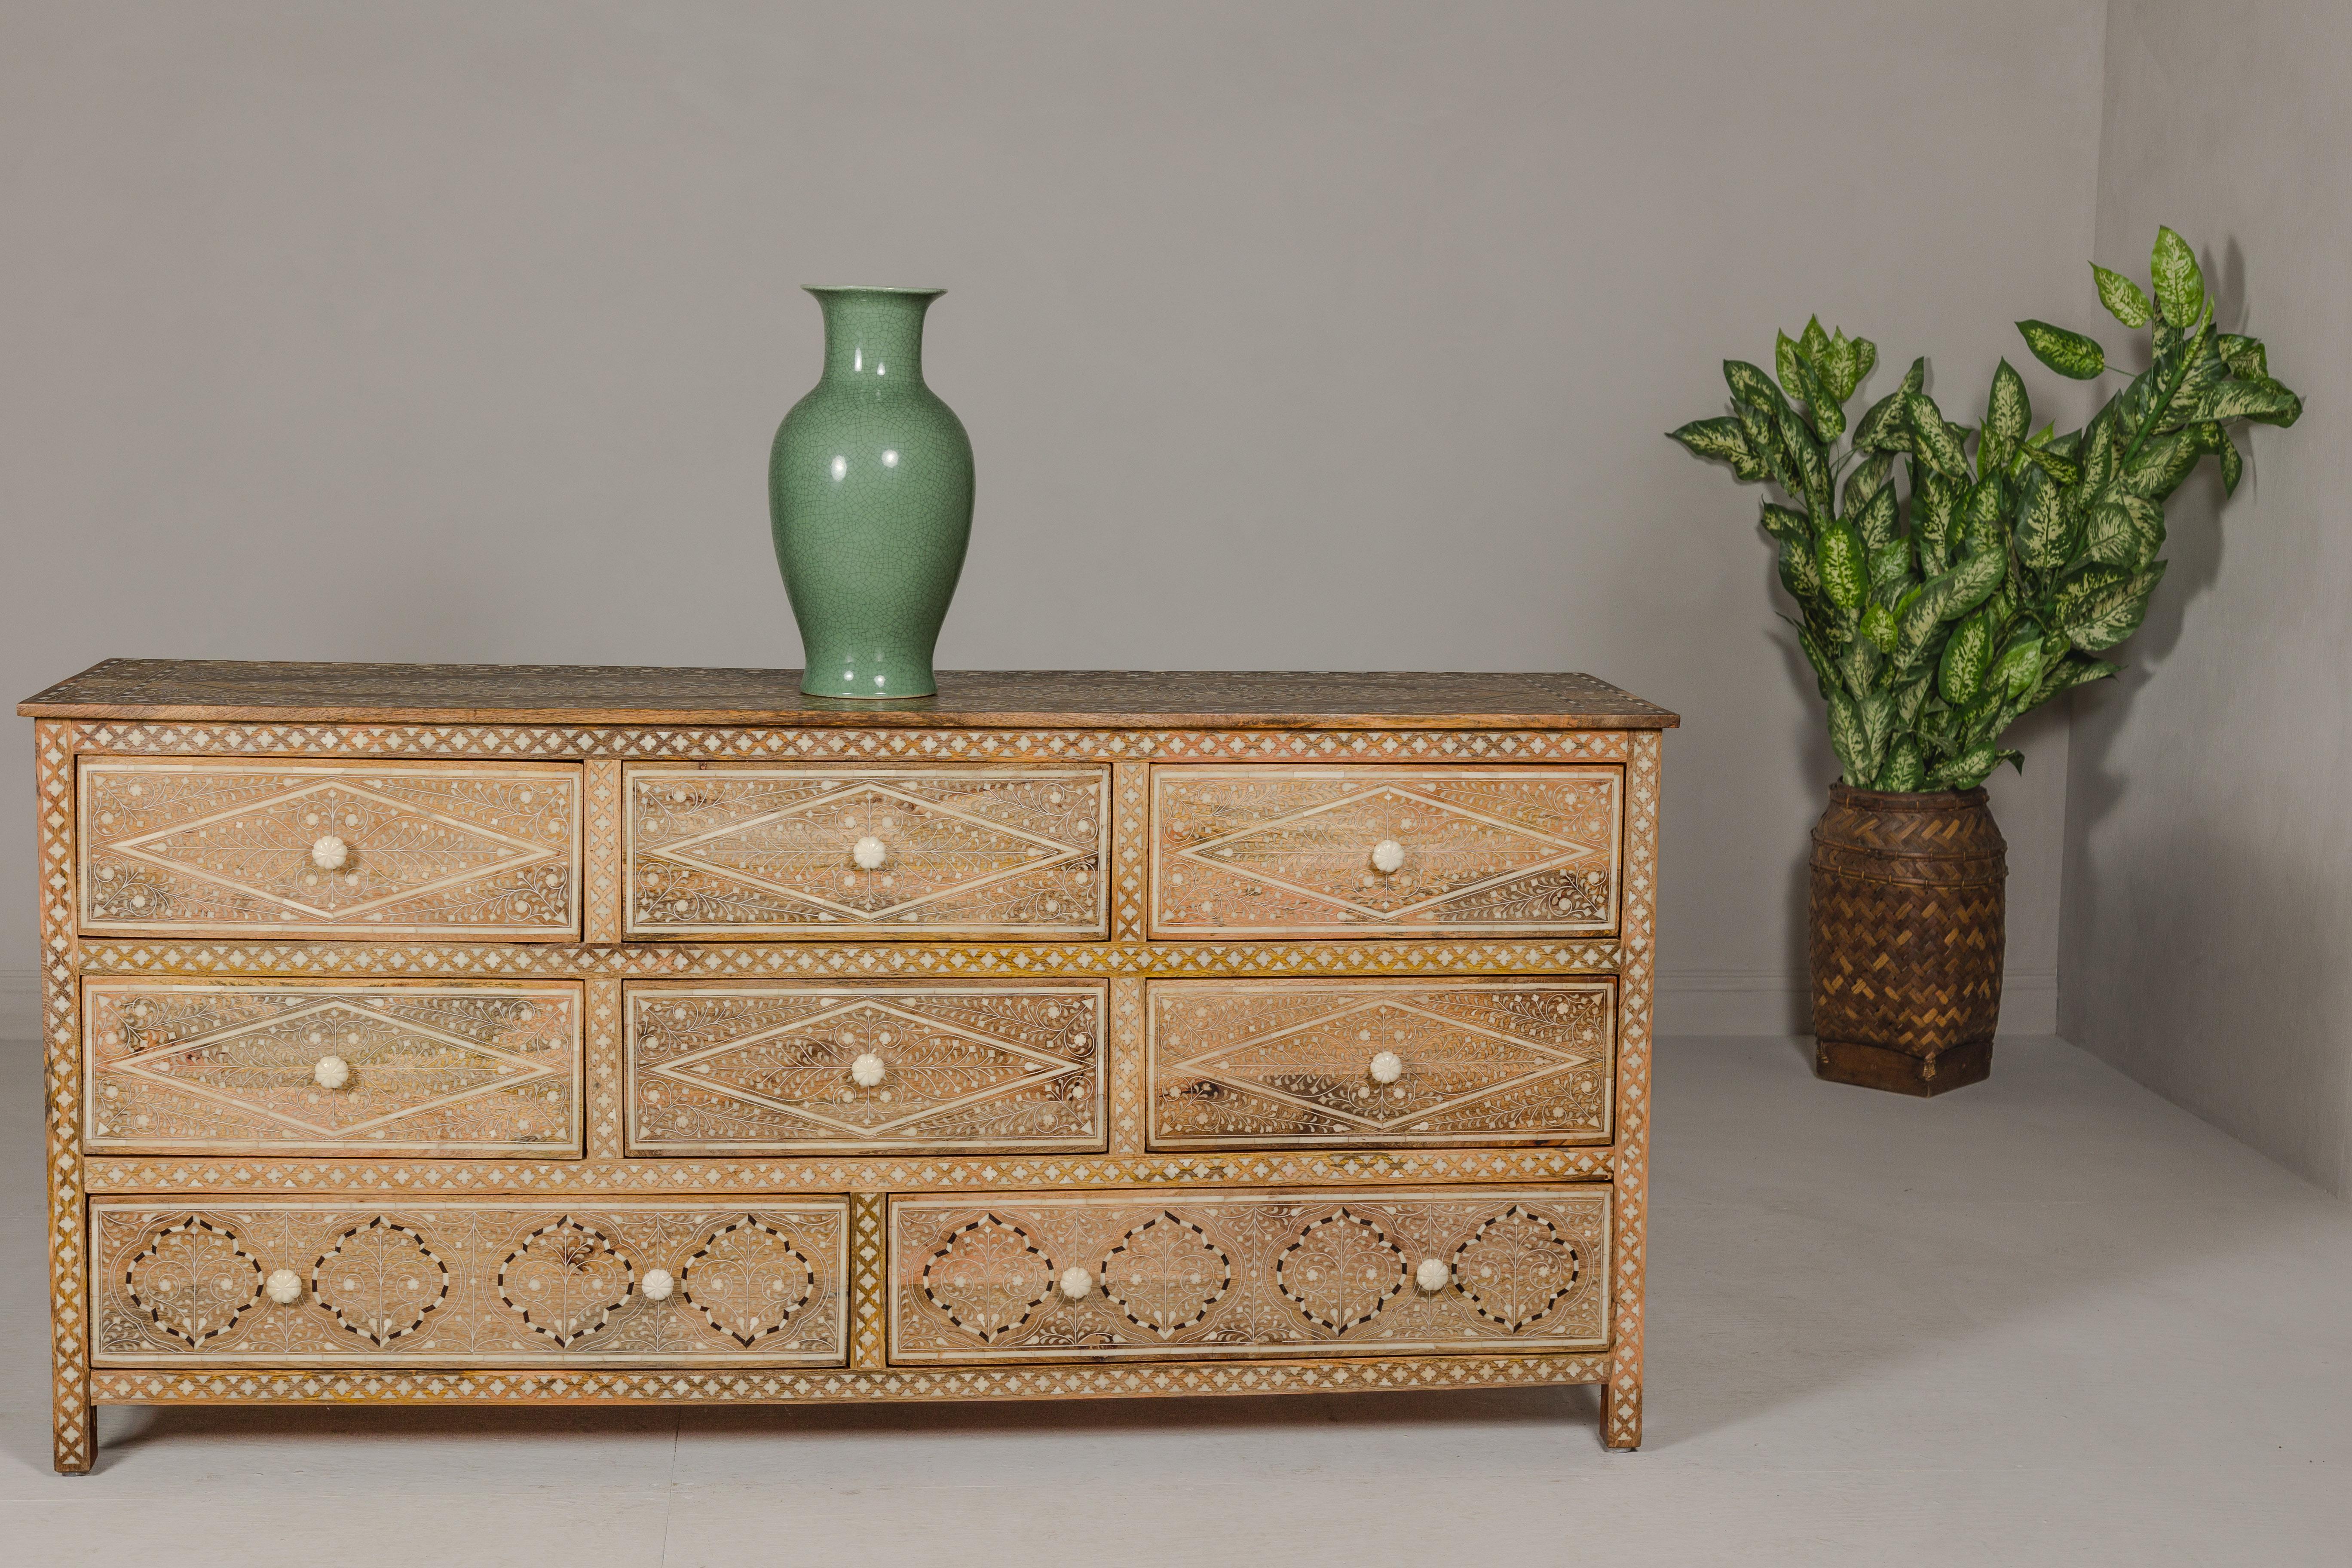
[1949, 578]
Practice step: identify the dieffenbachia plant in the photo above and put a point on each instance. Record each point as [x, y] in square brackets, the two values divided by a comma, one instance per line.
[1937, 611]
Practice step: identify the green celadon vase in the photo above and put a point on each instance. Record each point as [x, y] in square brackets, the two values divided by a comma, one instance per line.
[869, 496]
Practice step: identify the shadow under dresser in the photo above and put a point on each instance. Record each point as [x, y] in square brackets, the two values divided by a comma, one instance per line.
[466, 1034]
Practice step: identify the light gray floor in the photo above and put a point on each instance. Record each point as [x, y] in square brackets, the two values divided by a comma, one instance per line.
[2049, 1319]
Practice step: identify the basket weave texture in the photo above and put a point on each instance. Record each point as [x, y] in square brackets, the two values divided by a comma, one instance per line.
[1909, 910]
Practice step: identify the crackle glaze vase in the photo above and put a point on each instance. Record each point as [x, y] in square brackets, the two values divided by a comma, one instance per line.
[869, 495]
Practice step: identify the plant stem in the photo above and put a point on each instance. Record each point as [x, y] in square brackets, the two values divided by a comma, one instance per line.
[2164, 404]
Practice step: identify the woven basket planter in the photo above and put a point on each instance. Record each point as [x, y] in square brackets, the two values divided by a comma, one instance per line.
[1906, 931]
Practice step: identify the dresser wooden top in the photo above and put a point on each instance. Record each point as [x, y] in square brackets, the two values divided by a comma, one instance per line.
[212, 690]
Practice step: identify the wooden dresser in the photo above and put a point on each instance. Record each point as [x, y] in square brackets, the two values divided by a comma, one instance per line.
[475, 1035]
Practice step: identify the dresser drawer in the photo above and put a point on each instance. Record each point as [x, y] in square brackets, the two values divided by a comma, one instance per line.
[473, 850]
[408, 1067]
[1118, 1277]
[1255, 1064]
[1304, 852]
[827, 854]
[468, 1283]
[746, 1068]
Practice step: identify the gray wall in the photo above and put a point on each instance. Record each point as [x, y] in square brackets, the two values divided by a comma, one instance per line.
[2209, 903]
[1312, 336]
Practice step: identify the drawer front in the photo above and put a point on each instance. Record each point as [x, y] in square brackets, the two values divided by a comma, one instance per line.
[1242, 1064]
[468, 1283]
[828, 854]
[746, 1068]
[469, 850]
[1285, 852]
[1120, 1276]
[472, 1068]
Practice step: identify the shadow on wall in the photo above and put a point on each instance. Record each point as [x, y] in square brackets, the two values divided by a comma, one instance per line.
[1811, 745]
[2259, 1057]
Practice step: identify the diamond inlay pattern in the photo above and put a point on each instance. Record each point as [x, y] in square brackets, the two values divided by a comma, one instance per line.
[480, 1283]
[1261, 851]
[738, 1068]
[746, 851]
[329, 848]
[1259, 1064]
[1236, 1274]
[211, 1067]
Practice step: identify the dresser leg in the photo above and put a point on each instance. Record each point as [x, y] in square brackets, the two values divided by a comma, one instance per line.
[1621, 1410]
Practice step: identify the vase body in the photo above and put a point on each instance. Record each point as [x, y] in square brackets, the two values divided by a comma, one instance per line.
[870, 497]
[1906, 932]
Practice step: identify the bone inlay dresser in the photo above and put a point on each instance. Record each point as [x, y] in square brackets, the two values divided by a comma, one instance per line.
[468, 1034]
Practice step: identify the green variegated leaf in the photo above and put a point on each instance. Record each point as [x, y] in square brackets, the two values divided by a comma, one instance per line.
[2122, 297]
[2246, 358]
[2008, 412]
[1966, 771]
[1933, 434]
[2263, 402]
[1966, 656]
[1844, 563]
[1855, 361]
[2018, 670]
[2161, 465]
[1915, 378]
[1890, 568]
[2234, 464]
[1787, 365]
[2098, 621]
[1801, 571]
[2068, 353]
[1878, 624]
[1718, 438]
[1877, 714]
[1935, 515]
[1863, 481]
[1813, 342]
[1985, 510]
[2180, 284]
[1817, 654]
[2060, 467]
[2066, 674]
[1876, 521]
[1749, 385]
[1908, 701]
[1882, 429]
[1904, 770]
[1952, 596]
[1858, 670]
[1812, 468]
[2202, 372]
[2125, 531]
[1849, 739]
[2099, 451]
[2041, 532]
[1785, 524]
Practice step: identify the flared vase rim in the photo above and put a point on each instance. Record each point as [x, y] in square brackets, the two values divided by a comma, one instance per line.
[821, 290]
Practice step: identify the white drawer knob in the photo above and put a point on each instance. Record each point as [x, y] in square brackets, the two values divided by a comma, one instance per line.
[658, 1285]
[866, 1070]
[284, 1286]
[1433, 1275]
[330, 853]
[1387, 1068]
[1078, 1284]
[869, 853]
[1388, 855]
[332, 1072]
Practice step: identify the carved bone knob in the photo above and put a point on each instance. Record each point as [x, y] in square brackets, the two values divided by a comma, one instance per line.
[332, 1072]
[1433, 1275]
[867, 1070]
[1388, 856]
[869, 853]
[658, 1285]
[1387, 1068]
[330, 853]
[284, 1287]
[1078, 1284]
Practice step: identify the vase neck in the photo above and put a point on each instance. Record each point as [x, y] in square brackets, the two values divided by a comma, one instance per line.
[874, 334]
